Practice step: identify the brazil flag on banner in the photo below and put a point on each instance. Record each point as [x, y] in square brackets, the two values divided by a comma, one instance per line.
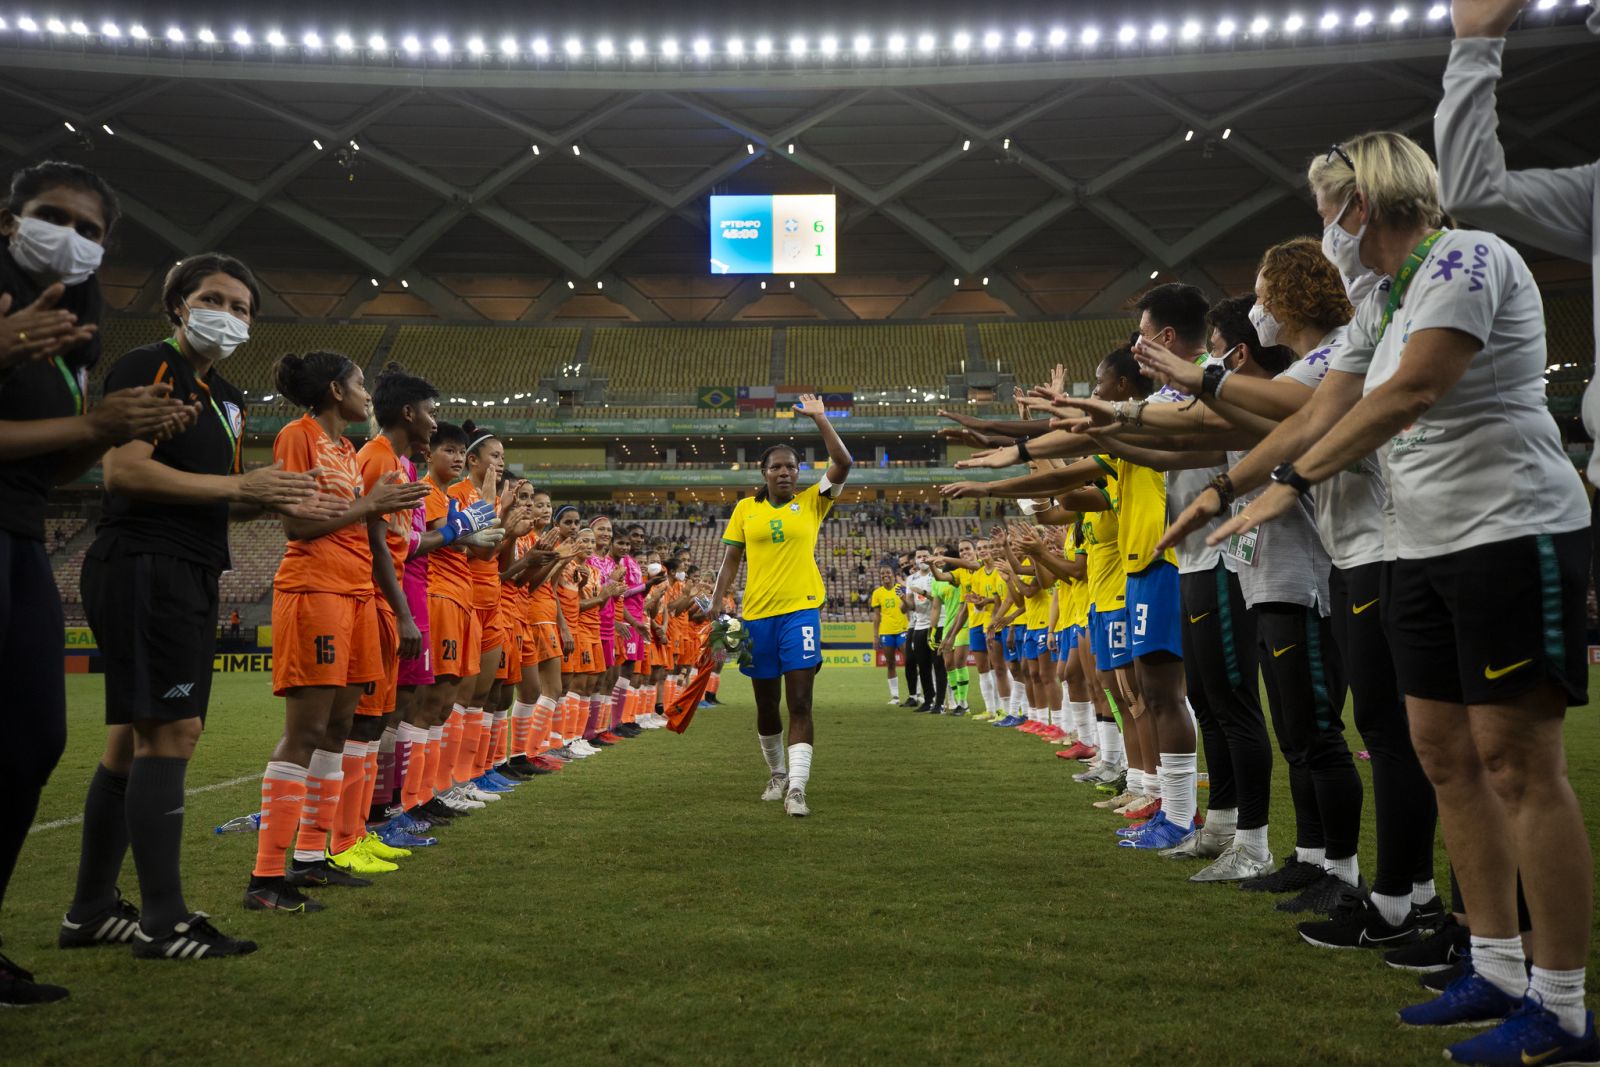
[716, 396]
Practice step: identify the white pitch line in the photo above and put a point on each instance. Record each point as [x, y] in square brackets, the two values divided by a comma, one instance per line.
[76, 819]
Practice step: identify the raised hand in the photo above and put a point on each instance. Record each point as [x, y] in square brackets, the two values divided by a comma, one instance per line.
[1161, 364]
[993, 459]
[318, 507]
[394, 492]
[274, 488]
[1273, 501]
[962, 490]
[141, 412]
[1484, 18]
[1096, 415]
[40, 330]
[1201, 510]
[811, 406]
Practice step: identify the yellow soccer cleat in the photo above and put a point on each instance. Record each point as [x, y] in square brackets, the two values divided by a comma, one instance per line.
[373, 845]
[357, 860]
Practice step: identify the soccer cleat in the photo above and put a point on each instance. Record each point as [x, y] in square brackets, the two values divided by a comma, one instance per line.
[437, 812]
[894, 702]
[1448, 944]
[485, 783]
[1120, 800]
[470, 791]
[1355, 922]
[1005, 721]
[276, 894]
[113, 925]
[19, 990]
[457, 800]
[630, 729]
[191, 939]
[957, 712]
[794, 803]
[1111, 787]
[609, 738]
[910, 702]
[374, 845]
[1147, 810]
[1234, 865]
[1203, 844]
[1468, 1001]
[1158, 833]
[321, 874]
[548, 762]
[1290, 878]
[582, 749]
[395, 837]
[514, 775]
[1052, 733]
[1321, 896]
[1078, 751]
[1532, 1035]
[358, 861]
[404, 820]
[776, 786]
[529, 768]
[598, 742]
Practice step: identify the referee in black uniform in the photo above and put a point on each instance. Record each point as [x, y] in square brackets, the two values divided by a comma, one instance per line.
[150, 591]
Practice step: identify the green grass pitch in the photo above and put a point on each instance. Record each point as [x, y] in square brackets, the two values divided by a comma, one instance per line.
[954, 899]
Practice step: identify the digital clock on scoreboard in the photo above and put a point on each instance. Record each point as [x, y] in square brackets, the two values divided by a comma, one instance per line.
[772, 234]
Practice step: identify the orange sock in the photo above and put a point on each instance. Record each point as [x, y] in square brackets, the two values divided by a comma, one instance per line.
[449, 747]
[349, 820]
[419, 772]
[716, 680]
[467, 747]
[324, 782]
[283, 794]
[521, 727]
[539, 730]
[438, 758]
[369, 788]
[492, 748]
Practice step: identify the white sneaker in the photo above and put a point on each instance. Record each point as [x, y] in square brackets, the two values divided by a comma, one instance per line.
[1234, 865]
[794, 803]
[652, 721]
[894, 702]
[456, 802]
[584, 748]
[472, 792]
[776, 787]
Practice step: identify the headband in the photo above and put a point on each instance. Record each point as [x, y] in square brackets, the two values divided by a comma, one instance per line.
[562, 510]
[473, 447]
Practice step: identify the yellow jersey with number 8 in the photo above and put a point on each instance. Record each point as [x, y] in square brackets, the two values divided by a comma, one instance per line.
[780, 552]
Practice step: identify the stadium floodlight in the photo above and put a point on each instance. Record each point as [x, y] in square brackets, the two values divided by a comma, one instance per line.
[1127, 34]
[636, 48]
[669, 47]
[1057, 38]
[109, 131]
[1259, 25]
[797, 47]
[735, 46]
[577, 151]
[1363, 19]
[1398, 16]
[1293, 23]
[763, 46]
[1543, 5]
[374, 282]
[411, 45]
[1226, 28]
[791, 148]
[991, 41]
[926, 43]
[829, 46]
[540, 47]
[80, 27]
[955, 281]
[353, 146]
[316, 144]
[1024, 39]
[605, 47]
[573, 47]
[702, 48]
[1158, 32]
[599, 285]
[1190, 30]
[863, 44]
[897, 44]
[1329, 21]
[1188, 136]
[111, 30]
[377, 42]
[1005, 145]
[207, 37]
[441, 46]
[277, 40]
[984, 281]
[572, 285]
[1227, 133]
[57, 26]
[174, 34]
[966, 145]
[70, 127]
[27, 24]
[509, 47]
[344, 42]
[312, 40]
[749, 149]
[1090, 37]
[476, 46]
[535, 149]
[961, 41]
[1154, 275]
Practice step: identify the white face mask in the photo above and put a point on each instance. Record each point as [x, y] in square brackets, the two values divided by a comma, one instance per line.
[43, 248]
[215, 333]
[680, 575]
[1343, 248]
[1359, 288]
[653, 569]
[1267, 327]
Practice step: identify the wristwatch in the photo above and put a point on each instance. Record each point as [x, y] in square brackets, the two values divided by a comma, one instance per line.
[1211, 378]
[1285, 474]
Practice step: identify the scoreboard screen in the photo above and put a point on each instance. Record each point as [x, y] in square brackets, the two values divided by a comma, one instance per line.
[772, 234]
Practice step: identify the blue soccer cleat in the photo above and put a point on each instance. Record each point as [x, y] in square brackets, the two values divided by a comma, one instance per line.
[1532, 1035]
[1158, 833]
[495, 776]
[489, 784]
[1468, 1001]
[395, 837]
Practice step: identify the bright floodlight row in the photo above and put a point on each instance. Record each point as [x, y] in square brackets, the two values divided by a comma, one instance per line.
[797, 47]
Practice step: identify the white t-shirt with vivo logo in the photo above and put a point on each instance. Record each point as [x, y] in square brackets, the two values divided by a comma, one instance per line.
[1485, 463]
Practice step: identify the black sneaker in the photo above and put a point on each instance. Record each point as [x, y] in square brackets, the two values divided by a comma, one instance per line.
[276, 894]
[1440, 952]
[597, 743]
[1290, 878]
[527, 768]
[190, 939]
[515, 774]
[958, 711]
[1321, 896]
[19, 990]
[628, 729]
[911, 702]
[1438, 980]
[436, 812]
[321, 874]
[1430, 916]
[114, 925]
[1355, 922]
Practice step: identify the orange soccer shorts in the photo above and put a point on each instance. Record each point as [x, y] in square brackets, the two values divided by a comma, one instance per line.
[545, 643]
[516, 650]
[587, 657]
[323, 639]
[492, 629]
[454, 631]
[378, 697]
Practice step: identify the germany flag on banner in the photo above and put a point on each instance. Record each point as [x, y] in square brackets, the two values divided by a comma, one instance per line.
[716, 397]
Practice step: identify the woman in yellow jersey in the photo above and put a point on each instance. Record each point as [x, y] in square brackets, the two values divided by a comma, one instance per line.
[984, 594]
[890, 627]
[778, 529]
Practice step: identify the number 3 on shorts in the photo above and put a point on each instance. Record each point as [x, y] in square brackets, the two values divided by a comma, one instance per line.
[1141, 614]
[808, 638]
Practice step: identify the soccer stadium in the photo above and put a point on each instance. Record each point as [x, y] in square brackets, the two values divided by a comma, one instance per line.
[558, 533]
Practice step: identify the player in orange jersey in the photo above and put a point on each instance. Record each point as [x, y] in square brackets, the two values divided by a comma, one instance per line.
[582, 593]
[539, 688]
[325, 627]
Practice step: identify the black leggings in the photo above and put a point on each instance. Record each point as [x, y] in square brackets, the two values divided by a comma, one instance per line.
[1402, 798]
[1219, 663]
[927, 664]
[1305, 691]
[35, 726]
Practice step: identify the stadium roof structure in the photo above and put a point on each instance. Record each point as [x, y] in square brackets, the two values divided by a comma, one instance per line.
[1053, 171]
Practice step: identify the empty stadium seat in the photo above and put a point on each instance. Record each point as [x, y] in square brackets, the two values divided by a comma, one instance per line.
[485, 361]
[1031, 350]
[678, 359]
[852, 358]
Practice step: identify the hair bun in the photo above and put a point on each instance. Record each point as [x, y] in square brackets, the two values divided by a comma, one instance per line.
[469, 428]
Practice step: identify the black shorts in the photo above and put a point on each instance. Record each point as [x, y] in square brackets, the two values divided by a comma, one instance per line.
[1487, 624]
[155, 620]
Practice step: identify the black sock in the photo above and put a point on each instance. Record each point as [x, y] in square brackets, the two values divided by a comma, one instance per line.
[105, 843]
[155, 828]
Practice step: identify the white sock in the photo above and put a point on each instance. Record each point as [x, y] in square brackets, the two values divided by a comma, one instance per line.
[1318, 856]
[1393, 909]
[436, 733]
[1019, 698]
[1111, 750]
[894, 688]
[1348, 868]
[1152, 782]
[1083, 721]
[1423, 892]
[1193, 721]
[772, 749]
[799, 766]
[1135, 781]
[1499, 961]
[1177, 788]
[386, 742]
[1252, 842]
[521, 709]
[1222, 821]
[986, 690]
[1561, 992]
[412, 734]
